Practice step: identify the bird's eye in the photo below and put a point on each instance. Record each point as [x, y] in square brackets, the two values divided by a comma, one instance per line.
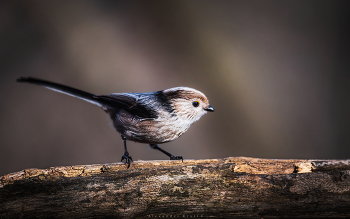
[195, 103]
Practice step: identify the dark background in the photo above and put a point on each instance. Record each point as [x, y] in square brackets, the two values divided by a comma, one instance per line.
[276, 72]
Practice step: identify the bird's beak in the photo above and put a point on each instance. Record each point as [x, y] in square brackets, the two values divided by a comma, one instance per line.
[209, 109]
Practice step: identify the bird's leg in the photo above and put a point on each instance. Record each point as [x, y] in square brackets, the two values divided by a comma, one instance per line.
[172, 157]
[126, 155]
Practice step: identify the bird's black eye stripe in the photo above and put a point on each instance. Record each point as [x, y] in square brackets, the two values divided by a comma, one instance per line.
[195, 103]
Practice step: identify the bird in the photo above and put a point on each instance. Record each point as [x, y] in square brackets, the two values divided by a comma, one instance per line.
[152, 118]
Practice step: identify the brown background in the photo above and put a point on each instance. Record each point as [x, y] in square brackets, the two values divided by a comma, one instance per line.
[276, 72]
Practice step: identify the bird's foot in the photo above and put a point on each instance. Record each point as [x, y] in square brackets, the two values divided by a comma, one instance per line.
[127, 159]
[172, 157]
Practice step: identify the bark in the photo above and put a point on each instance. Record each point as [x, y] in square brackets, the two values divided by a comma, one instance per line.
[218, 188]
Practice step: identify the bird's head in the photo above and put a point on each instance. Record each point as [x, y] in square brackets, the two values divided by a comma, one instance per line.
[188, 103]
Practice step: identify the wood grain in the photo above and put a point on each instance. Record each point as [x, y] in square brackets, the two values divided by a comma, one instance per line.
[218, 188]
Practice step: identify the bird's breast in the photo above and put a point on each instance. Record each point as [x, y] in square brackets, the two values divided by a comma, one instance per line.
[152, 131]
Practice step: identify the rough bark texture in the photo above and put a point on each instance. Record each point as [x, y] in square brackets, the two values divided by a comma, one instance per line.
[218, 188]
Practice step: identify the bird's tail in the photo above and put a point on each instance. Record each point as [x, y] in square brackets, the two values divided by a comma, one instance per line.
[62, 89]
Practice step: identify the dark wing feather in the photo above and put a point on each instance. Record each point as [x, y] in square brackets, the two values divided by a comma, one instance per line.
[129, 102]
[138, 104]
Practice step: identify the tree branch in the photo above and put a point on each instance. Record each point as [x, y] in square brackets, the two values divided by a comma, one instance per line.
[218, 188]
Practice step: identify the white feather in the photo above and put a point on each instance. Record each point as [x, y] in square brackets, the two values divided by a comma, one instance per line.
[88, 100]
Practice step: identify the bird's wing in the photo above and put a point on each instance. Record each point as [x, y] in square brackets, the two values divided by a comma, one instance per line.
[131, 102]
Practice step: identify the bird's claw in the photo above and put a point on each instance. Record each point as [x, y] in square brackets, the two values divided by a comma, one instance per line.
[176, 158]
[127, 159]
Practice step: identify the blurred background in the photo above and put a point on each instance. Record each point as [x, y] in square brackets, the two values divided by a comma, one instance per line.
[276, 72]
